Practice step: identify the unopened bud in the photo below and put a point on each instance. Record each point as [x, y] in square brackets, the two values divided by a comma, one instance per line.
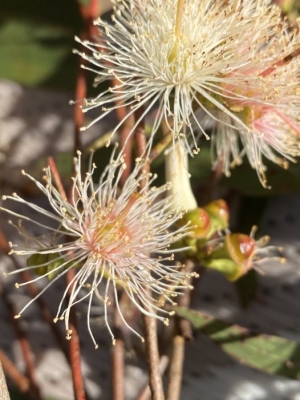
[219, 215]
[199, 223]
[177, 173]
[240, 247]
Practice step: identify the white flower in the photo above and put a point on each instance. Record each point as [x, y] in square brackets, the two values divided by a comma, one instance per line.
[121, 236]
[197, 60]
[269, 110]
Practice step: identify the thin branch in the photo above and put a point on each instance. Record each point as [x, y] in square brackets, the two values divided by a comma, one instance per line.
[286, 60]
[74, 349]
[184, 326]
[161, 146]
[117, 358]
[89, 13]
[126, 144]
[25, 349]
[145, 393]
[15, 375]
[74, 344]
[155, 379]
[176, 368]
[56, 177]
[183, 332]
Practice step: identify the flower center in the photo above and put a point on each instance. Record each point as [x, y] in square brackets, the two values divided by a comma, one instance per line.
[112, 234]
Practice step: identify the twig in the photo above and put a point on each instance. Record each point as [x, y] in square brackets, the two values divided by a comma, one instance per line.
[89, 13]
[184, 326]
[56, 177]
[25, 349]
[161, 146]
[183, 332]
[145, 393]
[16, 376]
[74, 349]
[176, 368]
[126, 143]
[286, 60]
[74, 345]
[117, 358]
[155, 379]
[4, 395]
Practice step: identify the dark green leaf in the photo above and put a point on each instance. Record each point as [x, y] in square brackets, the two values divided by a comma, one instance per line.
[268, 353]
[36, 41]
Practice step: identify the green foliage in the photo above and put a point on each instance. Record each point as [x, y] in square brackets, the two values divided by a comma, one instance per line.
[36, 41]
[16, 395]
[268, 353]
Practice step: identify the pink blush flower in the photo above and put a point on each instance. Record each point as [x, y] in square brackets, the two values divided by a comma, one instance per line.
[116, 239]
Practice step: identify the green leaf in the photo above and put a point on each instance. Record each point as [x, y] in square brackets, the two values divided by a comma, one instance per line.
[268, 353]
[36, 42]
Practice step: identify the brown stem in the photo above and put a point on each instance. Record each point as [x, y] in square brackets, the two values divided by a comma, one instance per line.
[141, 143]
[15, 375]
[117, 358]
[4, 395]
[25, 349]
[74, 349]
[118, 370]
[155, 379]
[126, 144]
[89, 13]
[161, 146]
[184, 326]
[145, 393]
[80, 93]
[176, 368]
[183, 332]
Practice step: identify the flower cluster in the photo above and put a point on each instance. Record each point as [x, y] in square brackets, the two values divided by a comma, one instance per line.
[123, 236]
[233, 63]
[225, 69]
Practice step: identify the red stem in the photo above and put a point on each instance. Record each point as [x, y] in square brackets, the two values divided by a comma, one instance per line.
[56, 177]
[74, 350]
[280, 63]
[26, 352]
[88, 13]
[16, 376]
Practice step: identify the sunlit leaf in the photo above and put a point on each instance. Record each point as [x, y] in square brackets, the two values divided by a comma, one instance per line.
[268, 353]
